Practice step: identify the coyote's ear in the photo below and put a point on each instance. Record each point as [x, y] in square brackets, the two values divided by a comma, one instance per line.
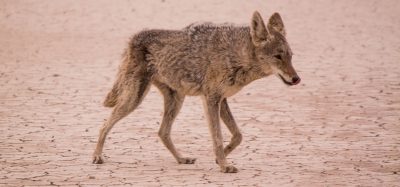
[259, 33]
[275, 23]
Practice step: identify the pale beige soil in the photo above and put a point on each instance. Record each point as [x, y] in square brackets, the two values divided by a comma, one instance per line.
[339, 127]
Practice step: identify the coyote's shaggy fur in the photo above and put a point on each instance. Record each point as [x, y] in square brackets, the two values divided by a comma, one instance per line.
[212, 61]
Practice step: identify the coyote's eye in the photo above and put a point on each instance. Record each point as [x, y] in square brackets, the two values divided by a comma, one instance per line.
[279, 57]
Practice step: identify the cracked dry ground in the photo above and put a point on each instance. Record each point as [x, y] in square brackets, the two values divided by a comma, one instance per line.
[339, 127]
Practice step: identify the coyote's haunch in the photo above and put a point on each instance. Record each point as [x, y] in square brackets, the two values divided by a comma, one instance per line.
[212, 61]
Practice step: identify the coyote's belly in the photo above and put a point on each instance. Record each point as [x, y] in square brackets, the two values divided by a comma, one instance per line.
[182, 73]
[182, 84]
[196, 78]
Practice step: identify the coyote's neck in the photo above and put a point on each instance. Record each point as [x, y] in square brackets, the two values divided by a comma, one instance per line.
[248, 74]
[249, 69]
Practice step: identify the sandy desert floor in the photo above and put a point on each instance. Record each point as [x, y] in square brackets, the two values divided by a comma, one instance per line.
[339, 127]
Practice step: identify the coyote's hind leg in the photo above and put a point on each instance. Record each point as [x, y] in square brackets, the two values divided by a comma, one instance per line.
[129, 99]
[172, 104]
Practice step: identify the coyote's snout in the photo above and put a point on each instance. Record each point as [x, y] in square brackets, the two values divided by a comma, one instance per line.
[212, 61]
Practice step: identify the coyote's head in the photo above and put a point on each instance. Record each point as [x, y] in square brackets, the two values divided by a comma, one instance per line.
[271, 48]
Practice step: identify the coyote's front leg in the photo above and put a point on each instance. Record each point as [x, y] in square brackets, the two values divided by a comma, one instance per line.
[212, 109]
[229, 121]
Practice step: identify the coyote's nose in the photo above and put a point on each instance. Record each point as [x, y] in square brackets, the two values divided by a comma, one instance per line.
[296, 80]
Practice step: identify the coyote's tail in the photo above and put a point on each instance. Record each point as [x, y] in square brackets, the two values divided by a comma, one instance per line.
[112, 96]
[132, 63]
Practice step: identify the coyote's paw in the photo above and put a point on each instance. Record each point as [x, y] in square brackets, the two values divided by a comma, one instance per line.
[186, 160]
[97, 159]
[229, 169]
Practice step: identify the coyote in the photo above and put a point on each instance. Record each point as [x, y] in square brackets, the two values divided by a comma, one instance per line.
[211, 61]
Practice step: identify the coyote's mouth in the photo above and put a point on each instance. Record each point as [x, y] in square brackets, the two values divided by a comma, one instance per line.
[284, 81]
